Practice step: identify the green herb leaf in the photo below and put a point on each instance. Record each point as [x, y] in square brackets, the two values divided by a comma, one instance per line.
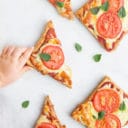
[78, 47]
[122, 12]
[25, 104]
[97, 57]
[45, 56]
[60, 4]
[101, 115]
[94, 117]
[122, 106]
[105, 6]
[95, 10]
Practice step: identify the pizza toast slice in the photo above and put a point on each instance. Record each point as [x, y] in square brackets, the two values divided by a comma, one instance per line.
[63, 7]
[48, 117]
[106, 20]
[107, 106]
[48, 57]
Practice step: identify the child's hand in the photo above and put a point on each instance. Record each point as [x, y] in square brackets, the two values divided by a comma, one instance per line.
[12, 64]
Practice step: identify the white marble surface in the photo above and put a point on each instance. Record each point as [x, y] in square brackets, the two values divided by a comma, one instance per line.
[21, 22]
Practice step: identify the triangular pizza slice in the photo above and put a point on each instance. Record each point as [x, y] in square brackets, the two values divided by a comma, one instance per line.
[48, 57]
[48, 117]
[63, 7]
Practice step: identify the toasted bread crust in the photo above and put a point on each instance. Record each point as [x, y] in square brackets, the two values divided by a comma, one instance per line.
[49, 114]
[61, 75]
[83, 109]
[66, 11]
[85, 16]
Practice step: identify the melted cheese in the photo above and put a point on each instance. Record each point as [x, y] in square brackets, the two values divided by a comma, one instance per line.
[87, 111]
[42, 119]
[93, 19]
[123, 115]
[53, 42]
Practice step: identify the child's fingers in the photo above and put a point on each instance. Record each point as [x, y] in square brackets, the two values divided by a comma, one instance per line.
[10, 50]
[23, 59]
[4, 51]
[17, 52]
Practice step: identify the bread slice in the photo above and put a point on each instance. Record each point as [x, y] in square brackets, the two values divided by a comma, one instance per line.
[114, 107]
[55, 67]
[63, 7]
[48, 116]
[104, 19]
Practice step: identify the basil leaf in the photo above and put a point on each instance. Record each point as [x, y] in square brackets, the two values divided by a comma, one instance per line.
[94, 117]
[60, 4]
[45, 56]
[105, 6]
[97, 57]
[122, 106]
[25, 104]
[95, 10]
[122, 12]
[101, 115]
[78, 47]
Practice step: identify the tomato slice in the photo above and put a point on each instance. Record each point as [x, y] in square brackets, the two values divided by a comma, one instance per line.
[114, 4]
[57, 57]
[50, 34]
[46, 125]
[109, 25]
[109, 121]
[106, 100]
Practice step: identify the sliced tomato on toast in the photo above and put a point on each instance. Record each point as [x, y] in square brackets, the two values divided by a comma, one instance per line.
[106, 100]
[46, 125]
[109, 121]
[109, 25]
[57, 57]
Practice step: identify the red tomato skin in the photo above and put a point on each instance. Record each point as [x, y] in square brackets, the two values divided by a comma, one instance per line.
[46, 125]
[109, 25]
[106, 122]
[106, 100]
[57, 57]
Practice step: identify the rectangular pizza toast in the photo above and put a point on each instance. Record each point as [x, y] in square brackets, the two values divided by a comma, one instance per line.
[106, 20]
[107, 103]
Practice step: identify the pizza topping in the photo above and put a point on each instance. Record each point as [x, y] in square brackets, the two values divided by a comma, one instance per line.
[78, 47]
[114, 5]
[97, 57]
[60, 4]
[95, 10]
[46, 125]
[101, 115]
[122, 12]
[106, 100]
[45, 56]
[50, 34]
[109, 121]
[122, 106]
[52, 2]
[109, 25]
[56, 57]
[105, 6]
